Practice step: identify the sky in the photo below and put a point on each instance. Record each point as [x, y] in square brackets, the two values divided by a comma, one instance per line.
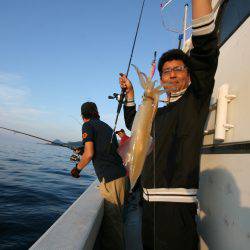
[57, 54]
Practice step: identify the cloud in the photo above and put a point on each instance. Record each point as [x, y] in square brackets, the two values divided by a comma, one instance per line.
[14, 98]
[16, 111]
[20, 113]
[11, 92]
[9, 78]
[12, 95]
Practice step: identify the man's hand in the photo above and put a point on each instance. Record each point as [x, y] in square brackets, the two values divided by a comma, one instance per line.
[126, 84]
[75, 172]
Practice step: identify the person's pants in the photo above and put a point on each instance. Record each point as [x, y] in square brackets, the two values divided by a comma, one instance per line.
[169, 226]
[132, 223]
[114, 193]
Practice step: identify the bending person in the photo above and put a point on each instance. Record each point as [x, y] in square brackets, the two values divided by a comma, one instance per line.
[110, 171]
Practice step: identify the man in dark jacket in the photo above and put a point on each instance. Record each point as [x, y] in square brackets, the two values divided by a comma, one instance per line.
[170, 177]
[96, 136]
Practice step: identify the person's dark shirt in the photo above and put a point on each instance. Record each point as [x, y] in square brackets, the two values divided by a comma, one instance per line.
[107, 163]
[179, 126]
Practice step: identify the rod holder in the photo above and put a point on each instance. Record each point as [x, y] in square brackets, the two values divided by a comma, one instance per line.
[221, 125]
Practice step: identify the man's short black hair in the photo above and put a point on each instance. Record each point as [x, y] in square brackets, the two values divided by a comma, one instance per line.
[89, 110]
[173, 54]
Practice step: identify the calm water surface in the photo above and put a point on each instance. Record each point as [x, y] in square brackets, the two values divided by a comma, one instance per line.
[35, 189]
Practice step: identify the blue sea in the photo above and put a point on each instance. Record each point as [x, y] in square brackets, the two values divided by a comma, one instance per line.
[35, 189]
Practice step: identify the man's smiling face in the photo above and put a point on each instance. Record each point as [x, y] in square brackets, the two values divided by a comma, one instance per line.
[175, 76]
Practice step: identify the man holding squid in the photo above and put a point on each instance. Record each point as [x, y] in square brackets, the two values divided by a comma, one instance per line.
[170, 176]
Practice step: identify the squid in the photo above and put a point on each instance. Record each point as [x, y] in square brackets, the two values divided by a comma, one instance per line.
[141, 140]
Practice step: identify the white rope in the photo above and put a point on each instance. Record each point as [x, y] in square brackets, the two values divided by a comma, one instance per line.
[163, 6]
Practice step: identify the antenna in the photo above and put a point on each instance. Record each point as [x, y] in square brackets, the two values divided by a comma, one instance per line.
[182, 33]
[184, 29]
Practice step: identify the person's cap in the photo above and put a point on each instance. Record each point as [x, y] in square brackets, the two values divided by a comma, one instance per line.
[119, 131]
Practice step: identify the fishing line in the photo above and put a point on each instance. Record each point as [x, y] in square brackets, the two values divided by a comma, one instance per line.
[122, 95]
[154, 181]
[154, 164]
[135, 38]
[75, 119]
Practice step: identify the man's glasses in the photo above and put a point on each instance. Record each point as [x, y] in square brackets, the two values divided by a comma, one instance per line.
[177, 70]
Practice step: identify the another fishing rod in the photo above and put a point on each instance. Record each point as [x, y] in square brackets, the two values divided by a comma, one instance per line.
[121, 97]
[39, 138]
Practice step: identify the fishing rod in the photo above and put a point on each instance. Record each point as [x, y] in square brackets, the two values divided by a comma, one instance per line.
[73, 158]
[39, 138]
[153, 66]
[121, 97]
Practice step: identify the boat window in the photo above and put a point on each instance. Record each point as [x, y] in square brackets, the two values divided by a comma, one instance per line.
[231, 15]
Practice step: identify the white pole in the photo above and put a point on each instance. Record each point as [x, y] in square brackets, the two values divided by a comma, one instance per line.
[185, 25]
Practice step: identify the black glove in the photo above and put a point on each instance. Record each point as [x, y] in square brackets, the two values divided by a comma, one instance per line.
[75, 172]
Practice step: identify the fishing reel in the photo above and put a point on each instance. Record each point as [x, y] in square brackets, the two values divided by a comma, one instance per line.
[74, 158]
[78, 150]
[115, 96]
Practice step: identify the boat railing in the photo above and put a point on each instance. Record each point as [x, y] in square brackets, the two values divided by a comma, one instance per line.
[78, 227]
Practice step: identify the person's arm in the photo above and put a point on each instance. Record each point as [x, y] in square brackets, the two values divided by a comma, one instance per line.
[85, 159]
[129, 107]
[205, 52]
[202, 17]
[87, 140]
[201, 8]
[87, 155]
